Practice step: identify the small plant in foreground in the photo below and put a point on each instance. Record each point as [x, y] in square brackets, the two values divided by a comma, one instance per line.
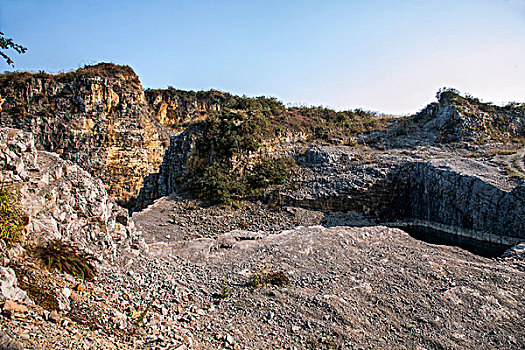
[66, 258]
[261, 278]
[225, 291]
[12, 223]
[141, 317]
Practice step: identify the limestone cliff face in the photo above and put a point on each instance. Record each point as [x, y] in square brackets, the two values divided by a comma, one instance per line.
[96, 117]
[443, 192]
[174, 107]
[332, 179]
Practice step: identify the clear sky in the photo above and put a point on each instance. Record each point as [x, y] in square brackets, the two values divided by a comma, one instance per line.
[388, 56]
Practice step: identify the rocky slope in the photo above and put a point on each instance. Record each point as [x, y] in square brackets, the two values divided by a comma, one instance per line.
[349, 288]
[58, 201]
[96, 116]
[458, 118]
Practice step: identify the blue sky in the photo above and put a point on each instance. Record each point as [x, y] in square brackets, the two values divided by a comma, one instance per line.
[388, 56]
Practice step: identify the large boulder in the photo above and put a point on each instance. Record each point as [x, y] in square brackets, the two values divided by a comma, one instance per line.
[60, 199]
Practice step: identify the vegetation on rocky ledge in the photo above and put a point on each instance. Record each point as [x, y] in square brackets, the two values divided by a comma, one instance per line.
[12, 224]
[216, 177]
[456, 117]
[233, 129]
[318, 122]
[64, 257]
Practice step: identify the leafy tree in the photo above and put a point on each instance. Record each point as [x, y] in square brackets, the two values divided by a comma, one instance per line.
[8, 43]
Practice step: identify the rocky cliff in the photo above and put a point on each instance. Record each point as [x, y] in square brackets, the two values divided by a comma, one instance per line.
[96, 117]
[175, 108]
[457, 118]
[181, 157]
[453, 195]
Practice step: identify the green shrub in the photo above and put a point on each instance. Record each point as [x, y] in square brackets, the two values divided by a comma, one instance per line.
[231, 132]
[228, 134]
[225, 290]
[218, 185]
[270, 171]
[64, 257]
[12, 224]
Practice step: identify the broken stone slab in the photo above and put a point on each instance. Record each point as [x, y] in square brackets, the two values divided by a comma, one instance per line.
[11, 308]
[63, 298]
[8, 286]
[6, 343]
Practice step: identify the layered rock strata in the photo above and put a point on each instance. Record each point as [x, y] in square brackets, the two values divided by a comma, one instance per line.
[96, 117]
[461, 196]
[445, 195]
[172, 107]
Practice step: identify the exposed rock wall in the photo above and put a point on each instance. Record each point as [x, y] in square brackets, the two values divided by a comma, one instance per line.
[173, 107]
[437, 192]
[179, 159]
[330, 180]
[464, 197]
[455, 118]
[96, 117]
[60, 199]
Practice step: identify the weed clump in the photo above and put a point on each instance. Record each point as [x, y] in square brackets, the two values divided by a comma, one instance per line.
[141, 317]
[12, 224]
[261, 278]
[64, 257]
[225, 291]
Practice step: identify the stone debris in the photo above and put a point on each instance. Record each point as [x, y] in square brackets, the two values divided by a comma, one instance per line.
[160, 283]
[63, 201]
[11, 308]
[9, 286]
[6, 343]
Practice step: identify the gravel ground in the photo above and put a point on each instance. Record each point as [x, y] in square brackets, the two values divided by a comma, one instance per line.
[348, 288]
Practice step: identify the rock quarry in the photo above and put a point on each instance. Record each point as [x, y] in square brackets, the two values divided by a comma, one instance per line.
[304, 242]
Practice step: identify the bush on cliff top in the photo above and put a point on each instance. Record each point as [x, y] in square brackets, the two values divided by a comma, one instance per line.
[318, 122]
[231, 132]
[217, 177]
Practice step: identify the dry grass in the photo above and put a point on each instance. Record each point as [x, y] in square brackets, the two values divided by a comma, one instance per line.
[12, 224]
[261, 278]
[66, 258]
[502, 152]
